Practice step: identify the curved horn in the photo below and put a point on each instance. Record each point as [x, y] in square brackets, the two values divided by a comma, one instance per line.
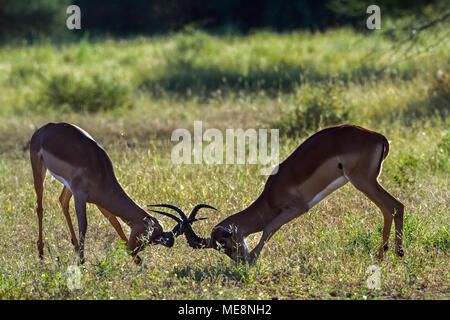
[177, 229]
[168, 215]
[197, 242]
[184, 225]
[182, 214]
[192, 238]
[198, 207]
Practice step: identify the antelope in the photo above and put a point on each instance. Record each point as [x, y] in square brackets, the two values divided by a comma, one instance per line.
[76, 160]
[320, 165]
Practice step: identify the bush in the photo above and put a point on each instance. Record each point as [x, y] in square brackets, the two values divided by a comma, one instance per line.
[436, 103]
[320, 106]
[90, 94]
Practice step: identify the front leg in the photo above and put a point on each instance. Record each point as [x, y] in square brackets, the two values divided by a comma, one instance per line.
[284, 217]
[80, 208]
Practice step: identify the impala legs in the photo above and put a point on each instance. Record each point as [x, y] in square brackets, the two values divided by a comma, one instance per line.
[80, 209]
[391, 208]
[64, 199]
[114, 222]
[365, 180]
[135, 243]
[39, 171]
[285, 216]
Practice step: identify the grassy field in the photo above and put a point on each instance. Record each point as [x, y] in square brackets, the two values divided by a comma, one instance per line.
[130, 95]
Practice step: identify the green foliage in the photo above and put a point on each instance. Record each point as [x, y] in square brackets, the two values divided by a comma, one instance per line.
[30, 20]
[440, 157]
[362, 242]
[92, 94]
[436, 101]
[405, 170]
[113, 263]
[317, 107]
[439, 240]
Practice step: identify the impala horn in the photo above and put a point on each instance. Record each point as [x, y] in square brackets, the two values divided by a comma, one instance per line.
[184, 225]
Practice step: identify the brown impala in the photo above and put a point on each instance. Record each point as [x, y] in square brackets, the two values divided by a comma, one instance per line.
[74, 158]
[323, 163]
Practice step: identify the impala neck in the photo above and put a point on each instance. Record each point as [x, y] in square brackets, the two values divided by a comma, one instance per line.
[120, 204]
[252, 219]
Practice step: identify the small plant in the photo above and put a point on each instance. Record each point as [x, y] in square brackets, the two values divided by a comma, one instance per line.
[406, 170]
[362, 241]
[92, 94]
[440, 158]
[317, 107]
[440, 240]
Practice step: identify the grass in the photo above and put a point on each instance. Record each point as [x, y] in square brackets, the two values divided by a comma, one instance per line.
[130, 95]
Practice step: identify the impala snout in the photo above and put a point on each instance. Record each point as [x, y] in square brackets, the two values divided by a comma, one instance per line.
[230, 243]
[155, 231]
[166, 239]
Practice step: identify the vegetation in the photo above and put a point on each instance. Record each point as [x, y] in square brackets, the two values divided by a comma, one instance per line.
[25, 22]
[130, 95]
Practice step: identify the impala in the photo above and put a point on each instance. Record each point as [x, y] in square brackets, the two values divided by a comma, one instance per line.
[323, 163]
[75, 159]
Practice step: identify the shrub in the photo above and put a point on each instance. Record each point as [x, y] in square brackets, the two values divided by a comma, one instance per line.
[23, 73]
[317, 107]
[435, 104]
[90, 94]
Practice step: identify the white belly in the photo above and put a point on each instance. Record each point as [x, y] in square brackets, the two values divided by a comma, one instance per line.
[60, 179]
[339, 182]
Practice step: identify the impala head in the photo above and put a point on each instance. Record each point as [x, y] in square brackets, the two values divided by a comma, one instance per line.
[157, 234]
[224, 237]
[167, 238]
[229, 240]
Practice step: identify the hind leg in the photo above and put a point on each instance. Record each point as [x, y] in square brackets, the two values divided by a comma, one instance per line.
[64, 199]
[39, 171]
[114, 222]
[364, 176]
[391, 208]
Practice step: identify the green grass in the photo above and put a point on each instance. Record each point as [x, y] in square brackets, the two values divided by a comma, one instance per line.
[130, 95]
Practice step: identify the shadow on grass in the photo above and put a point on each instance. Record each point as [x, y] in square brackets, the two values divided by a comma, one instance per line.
[237, 273]
[183, 79]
